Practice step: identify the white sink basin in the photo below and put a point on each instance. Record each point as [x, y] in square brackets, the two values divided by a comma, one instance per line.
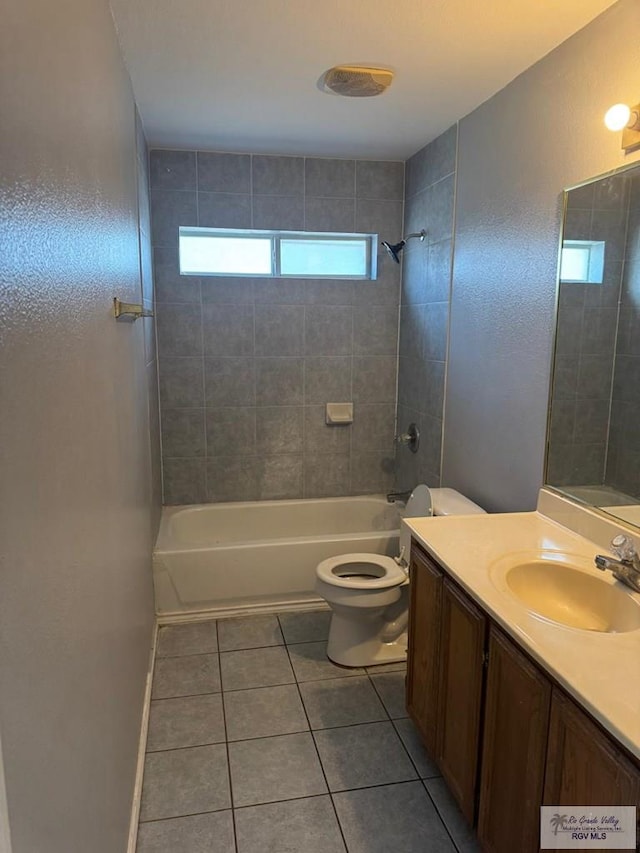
[564, 590]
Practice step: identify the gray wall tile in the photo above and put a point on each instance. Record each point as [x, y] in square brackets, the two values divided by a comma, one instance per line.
[375, 330]
[329, 214]
[183, 432]
[374, 379]
[169, 210]
[373, 427]
[326, 475]
[279, 429]
[279, 329]
[380, 217]
[436, 319]
[231, 479]
[256, 351]
[280, 477]
[234, 290]
[179, 329]
[230, 381]
[379, 179]
[224, 210]
[228, 332]
[431, 163]
[328, 330]
[181, 383]
[426, 292]
[329, 178]
[321, 438]
[183, 481]
[371, 473]
[224, 173]
[285, 213]
[327, 379]
[279, 291]
[278, 175]
[439, 285]
[329, 292]
[279, 381]
[170, 286]
[172, 170]
[231, 431]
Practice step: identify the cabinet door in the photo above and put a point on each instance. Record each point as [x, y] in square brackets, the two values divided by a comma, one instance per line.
[584, 768]
[460, 695]
[424, 647]
[514, 750]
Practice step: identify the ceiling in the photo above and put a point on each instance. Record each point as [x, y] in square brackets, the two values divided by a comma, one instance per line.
[229, 75]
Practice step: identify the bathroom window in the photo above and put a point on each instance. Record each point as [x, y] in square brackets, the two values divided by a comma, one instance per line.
[582, 261]
[294, 254]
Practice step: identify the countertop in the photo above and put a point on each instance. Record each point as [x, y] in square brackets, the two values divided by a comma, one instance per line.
[601, 671]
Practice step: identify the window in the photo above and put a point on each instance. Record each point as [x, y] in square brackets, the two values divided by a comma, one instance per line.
[582, 261]
[297, 254]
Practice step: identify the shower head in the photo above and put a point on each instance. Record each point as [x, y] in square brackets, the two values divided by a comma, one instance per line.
[394, 249]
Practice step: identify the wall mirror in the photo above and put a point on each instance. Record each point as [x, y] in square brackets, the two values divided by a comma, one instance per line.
[593, 438]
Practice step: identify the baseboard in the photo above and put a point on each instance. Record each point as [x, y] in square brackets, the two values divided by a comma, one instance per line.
[241, 610]
[142, 747]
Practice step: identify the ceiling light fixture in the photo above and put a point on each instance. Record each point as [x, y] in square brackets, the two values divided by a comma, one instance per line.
[627, 119]
[356, 81]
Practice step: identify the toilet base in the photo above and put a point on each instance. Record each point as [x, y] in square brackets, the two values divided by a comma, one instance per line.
[358, 642]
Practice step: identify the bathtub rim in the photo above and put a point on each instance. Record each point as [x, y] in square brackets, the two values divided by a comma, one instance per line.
[166, 545]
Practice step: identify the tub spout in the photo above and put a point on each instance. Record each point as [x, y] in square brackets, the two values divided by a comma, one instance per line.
[403, 497]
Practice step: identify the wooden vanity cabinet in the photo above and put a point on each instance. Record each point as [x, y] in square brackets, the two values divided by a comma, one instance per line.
[583, 765]
[462, 644]
[514, 749]
[509, 742]
[445, 676]
[423, 654]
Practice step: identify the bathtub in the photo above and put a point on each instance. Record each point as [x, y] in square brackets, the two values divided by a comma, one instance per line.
[220, 558]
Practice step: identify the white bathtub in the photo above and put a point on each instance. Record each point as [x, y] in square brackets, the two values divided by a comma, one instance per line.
[263, 555]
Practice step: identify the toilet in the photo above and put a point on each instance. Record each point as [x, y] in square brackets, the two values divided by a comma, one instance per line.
[369, 593]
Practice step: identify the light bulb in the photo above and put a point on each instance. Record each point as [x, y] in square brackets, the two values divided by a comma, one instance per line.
[617, 117]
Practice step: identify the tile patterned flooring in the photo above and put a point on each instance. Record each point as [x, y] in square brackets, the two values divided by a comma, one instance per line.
[259, 744]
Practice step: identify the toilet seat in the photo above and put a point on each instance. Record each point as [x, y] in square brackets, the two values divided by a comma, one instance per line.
[361, 571]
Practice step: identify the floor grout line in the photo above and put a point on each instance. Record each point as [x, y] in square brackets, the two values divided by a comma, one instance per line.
[315, 746]
[226, 737]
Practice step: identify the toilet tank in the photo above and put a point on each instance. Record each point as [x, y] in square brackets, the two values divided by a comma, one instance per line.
[450, 502]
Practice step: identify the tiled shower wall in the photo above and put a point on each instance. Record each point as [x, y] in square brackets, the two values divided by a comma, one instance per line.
[426, 283]
[586, 339]
[246, 365]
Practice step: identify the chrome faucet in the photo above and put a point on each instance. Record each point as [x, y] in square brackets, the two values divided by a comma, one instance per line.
[627, 567]
[403, 497]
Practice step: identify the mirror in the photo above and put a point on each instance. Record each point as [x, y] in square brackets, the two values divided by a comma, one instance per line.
[593, 438]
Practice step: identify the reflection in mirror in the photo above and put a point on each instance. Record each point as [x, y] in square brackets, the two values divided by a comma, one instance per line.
[593, 447]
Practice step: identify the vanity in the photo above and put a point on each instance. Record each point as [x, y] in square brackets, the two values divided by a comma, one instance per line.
[523, 673]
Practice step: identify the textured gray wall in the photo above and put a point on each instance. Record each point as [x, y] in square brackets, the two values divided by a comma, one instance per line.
[424, 312]
[516, 153]
[76, 610]
[246, 365]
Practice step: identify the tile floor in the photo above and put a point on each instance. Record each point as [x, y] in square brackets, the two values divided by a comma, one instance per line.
[258, 744]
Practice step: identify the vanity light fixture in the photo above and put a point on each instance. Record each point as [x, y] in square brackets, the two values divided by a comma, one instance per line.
[627, 119]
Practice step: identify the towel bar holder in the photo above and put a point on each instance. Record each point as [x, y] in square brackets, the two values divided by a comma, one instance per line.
[129, 310]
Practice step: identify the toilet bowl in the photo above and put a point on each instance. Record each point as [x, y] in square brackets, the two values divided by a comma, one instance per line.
[369, 593]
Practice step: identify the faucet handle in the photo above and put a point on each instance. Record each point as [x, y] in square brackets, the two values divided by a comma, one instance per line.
[624, 548]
